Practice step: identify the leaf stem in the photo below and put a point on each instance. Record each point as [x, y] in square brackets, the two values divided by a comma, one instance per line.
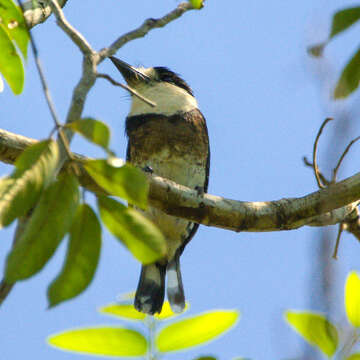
[150, 322]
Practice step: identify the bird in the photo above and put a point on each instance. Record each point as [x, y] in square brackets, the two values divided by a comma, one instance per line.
[171, 140]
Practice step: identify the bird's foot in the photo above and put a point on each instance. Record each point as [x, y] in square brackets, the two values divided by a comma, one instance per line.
[148, 169]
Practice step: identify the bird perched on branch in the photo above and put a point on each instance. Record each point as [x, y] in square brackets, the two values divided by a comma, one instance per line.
[172, 140]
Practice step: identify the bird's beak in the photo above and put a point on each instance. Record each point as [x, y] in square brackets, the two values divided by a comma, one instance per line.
[130, 74]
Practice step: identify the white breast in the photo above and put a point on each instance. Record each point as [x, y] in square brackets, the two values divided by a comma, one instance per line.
[185, 171]
[169, 100]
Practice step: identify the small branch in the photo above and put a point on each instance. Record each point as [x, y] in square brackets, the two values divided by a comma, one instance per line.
[348, 217]
[143, 30]
[74, 35]
[38, 14]
[180, 201]
[86, 82]
[309, 164]
[342, 158]
[316, 169]
[341, 229]
[46, 90]
[127, 88]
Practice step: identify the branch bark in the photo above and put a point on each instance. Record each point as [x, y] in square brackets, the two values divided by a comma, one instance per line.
[334, 204]
[38, 14]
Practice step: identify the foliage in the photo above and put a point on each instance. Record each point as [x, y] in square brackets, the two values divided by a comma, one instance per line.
[49, 222]
[125, 341]
[34, 170]
[14, 38]
[93, 130]
[320, 332]
[350, 77]
[51, 208]
[138, 234]
[81, 259]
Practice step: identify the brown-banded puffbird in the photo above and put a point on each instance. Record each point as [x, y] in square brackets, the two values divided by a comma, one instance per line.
[172, 140]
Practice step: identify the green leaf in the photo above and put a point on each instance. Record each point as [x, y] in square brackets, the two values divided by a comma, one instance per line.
[197, 4]
[47, 226]
[123, 311]
[93, 130]
[10, 63]
[107, 341]
[34, 169]
[195, 330]
[134, 230]
[352, 298]
[14, 23]
[343, 19]
[167, 313]
[315, 329]
[81, 259]
[126, 181]
[354, 357]
[128, 311]
[349, 79]
[206, 358]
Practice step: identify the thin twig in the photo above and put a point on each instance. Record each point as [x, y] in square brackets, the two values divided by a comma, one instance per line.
[87, 79]
[352, 142]
[316, 169]
[127, 88]
[142, 30]
[75, 36]
[46, 89]
[310, 164]
[341, 229]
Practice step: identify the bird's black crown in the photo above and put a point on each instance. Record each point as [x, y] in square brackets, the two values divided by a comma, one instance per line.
[164, 74]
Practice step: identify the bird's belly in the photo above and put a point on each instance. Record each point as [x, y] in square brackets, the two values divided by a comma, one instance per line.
[184, 170]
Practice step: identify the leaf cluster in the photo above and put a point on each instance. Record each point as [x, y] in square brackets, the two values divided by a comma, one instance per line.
[125, 341]
[14, 39]
[321, 333]
[350, 76]
[50, 206]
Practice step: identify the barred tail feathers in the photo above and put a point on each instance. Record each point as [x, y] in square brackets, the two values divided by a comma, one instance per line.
[150, 292]
[175, 289]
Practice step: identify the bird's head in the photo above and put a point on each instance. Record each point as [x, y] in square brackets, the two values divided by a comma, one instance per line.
[166, 89]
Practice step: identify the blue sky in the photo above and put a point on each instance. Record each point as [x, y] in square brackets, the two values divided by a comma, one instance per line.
[264, 100]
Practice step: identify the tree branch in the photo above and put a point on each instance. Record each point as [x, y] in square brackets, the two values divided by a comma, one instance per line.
[143, 30]
[334, 204]
[126, 87]
[74, 35]
[38, 14]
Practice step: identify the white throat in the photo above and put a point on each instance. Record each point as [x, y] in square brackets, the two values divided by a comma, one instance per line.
[169, 100]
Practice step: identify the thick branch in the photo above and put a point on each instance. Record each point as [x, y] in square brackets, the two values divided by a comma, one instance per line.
[211, 210]
[39, 13]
